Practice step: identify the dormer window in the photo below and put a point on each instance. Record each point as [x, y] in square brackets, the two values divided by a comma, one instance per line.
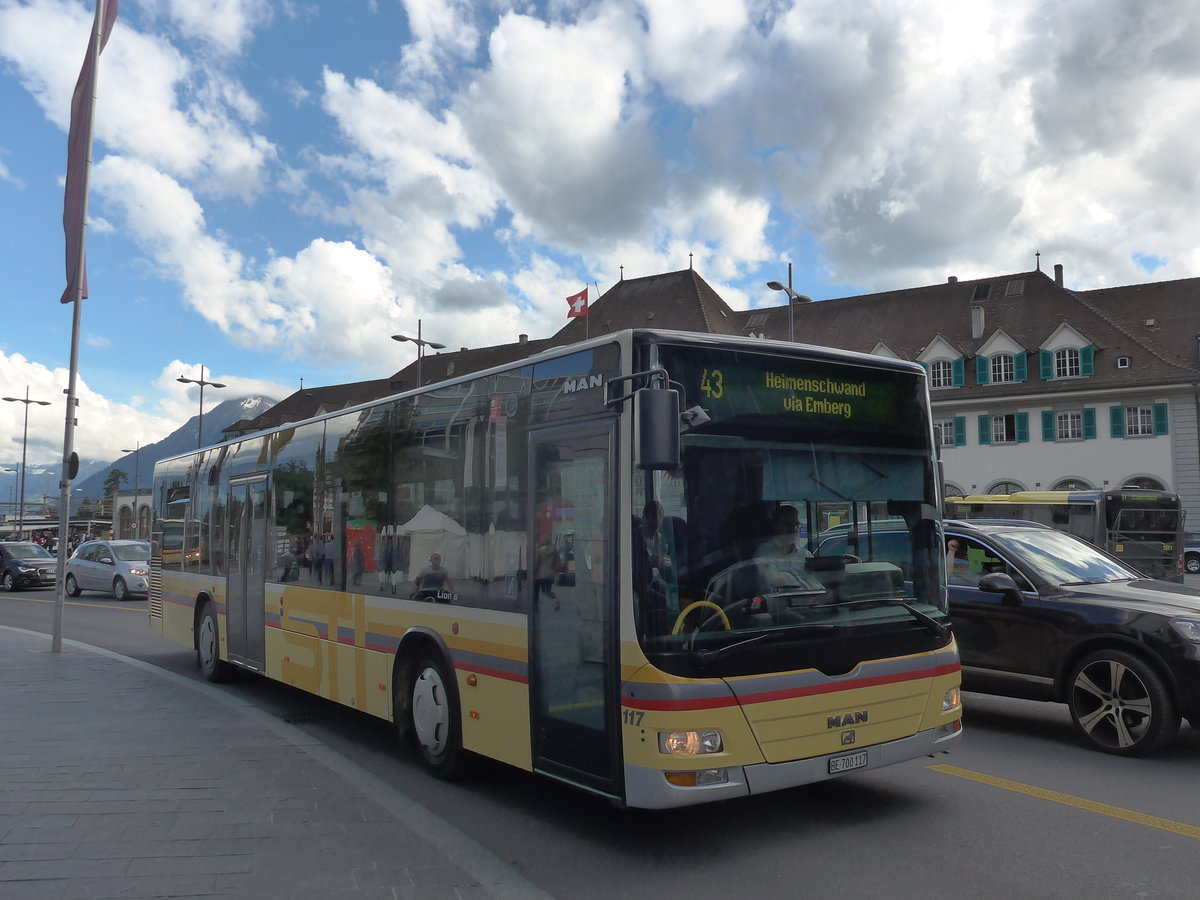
[1066, 363]
[1003, 369]
[944, 363]
[941, 374]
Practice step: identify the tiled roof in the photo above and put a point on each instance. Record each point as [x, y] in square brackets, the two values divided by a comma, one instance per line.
[1029, 312]
[1157, 326]
[681, 300]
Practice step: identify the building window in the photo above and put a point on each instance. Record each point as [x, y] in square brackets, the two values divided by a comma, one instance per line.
[941, 374]
[952, 490]
[1069, 426]
[1015, 288]
[982, 291]
[1122, 362]
[1066, 363]
[951, 432]
[1071, 484]
[1005, 487]
[1145, 483]
[1002, 368]
[1139, 420]
[1005, 429]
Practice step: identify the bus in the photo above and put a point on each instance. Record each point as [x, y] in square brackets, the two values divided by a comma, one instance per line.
[383, 557]
[1144, 528]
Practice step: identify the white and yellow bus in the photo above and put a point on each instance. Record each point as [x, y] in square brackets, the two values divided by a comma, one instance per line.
[569, 564]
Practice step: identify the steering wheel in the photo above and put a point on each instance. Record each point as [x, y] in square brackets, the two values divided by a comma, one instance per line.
[695, 605]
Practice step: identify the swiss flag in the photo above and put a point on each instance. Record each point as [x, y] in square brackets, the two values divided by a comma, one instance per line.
[578, 303]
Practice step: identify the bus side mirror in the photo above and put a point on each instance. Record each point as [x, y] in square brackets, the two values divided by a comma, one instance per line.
[657, 413]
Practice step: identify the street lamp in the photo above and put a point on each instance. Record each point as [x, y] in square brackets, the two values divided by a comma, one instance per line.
[792, 298]
[137, 463]
[421, 345]
[203, 384]
[24, 445]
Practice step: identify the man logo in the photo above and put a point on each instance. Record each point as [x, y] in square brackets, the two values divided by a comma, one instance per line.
[850, 718]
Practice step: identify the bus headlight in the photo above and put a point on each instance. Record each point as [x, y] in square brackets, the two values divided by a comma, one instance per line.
[1188, 629]
[952, 699]
[689, 743]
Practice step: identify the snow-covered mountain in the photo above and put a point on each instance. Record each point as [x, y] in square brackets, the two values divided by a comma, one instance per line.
[179, 441]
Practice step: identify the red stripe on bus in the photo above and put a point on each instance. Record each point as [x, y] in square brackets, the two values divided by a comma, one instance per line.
[495, 673]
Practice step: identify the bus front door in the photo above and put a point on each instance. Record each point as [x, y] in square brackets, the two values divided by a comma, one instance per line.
[244, 596]
[572, 641]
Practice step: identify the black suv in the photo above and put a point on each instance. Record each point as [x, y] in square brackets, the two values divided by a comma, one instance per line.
[24, 564]
[1043, 615]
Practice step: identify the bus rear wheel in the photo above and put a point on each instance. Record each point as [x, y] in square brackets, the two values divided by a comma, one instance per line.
[208, 646]
[436, 726]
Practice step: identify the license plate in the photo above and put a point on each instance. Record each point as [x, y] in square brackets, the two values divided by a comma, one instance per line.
[845, 763]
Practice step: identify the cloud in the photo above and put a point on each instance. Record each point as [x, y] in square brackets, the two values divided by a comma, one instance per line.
[95, 436]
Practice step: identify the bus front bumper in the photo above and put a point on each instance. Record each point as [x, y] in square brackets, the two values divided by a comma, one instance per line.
[650, 789]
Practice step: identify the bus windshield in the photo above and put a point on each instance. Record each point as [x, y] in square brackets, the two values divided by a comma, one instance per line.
[818, 553]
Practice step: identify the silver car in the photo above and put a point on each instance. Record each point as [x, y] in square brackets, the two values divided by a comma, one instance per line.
[119, 568]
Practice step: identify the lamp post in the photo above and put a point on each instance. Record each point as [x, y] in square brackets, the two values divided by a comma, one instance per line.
[792, 298]
[203, 384]
[421, 345]
[24, 446]
[137, 463]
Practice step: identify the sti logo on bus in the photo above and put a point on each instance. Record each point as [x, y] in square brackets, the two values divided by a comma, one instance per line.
[850, 718]
[582, 383]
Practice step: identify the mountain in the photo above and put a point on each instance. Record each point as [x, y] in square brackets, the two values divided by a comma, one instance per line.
[183, 439]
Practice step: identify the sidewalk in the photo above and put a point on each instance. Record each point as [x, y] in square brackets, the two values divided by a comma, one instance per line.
[119, 779]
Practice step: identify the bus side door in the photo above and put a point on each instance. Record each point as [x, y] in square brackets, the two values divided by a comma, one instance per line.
[572, 641]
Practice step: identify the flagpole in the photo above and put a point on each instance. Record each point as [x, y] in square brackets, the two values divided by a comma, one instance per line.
[69, 465]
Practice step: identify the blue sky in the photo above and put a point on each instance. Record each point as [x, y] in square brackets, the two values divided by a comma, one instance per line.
[279, 186]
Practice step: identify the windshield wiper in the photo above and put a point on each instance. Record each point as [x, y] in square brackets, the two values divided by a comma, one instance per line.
[938, 629]
[704, 657]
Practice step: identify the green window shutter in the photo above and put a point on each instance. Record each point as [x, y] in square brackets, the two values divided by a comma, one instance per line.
[1160, 418]
[1046, 364]
[985, 429]
[983, 370]
[1020, 367]
[960, 431]
[1048, 430]
[1116, 421]
[1087, 360]
[1089, 423]
[1022, 428]
[957, 371]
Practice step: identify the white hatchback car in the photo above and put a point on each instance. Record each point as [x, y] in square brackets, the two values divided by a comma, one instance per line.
[119, 568]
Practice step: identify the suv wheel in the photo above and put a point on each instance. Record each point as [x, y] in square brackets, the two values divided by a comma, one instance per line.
[1120, 704]
[1192, 564]
[72, 586]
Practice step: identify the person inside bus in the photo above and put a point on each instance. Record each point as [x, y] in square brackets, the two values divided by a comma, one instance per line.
[784, 546]
[433, 577]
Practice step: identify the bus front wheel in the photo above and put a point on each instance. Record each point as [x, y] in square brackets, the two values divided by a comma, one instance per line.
[208, 646]
[436, 728]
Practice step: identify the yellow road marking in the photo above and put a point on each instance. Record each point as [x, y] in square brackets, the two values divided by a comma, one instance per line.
[121, 607]
[1103, 809]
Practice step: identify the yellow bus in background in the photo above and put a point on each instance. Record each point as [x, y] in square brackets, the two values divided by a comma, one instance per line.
[596, 564]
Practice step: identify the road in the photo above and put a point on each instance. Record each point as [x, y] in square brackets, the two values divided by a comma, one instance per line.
[1020, 810]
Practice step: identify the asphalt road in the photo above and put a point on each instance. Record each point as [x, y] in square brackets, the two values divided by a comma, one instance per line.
[1019, 810]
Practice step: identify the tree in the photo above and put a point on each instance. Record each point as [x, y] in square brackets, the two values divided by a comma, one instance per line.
[112, 484]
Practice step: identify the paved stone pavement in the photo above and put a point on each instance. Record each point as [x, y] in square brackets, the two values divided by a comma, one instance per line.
[120, 779]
